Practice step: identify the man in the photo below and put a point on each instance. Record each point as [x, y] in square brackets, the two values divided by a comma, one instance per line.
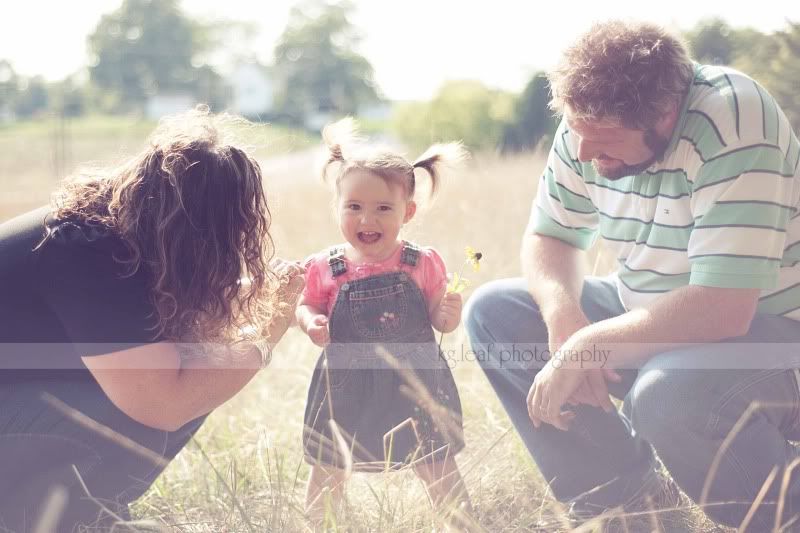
[690, 175]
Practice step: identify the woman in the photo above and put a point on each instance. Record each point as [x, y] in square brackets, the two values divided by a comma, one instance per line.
[123, 317]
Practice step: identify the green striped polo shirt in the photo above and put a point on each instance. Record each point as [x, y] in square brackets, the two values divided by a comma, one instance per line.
[720, 209]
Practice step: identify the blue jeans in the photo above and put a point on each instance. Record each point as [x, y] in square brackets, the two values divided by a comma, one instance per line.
[41, 449]
[682, 413]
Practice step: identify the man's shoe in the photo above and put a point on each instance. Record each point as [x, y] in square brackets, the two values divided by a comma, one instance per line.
[659, 499]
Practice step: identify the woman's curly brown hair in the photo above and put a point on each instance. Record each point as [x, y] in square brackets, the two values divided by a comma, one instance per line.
[191, 209]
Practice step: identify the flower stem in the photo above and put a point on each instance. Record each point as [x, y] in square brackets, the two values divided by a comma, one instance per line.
[441, 333]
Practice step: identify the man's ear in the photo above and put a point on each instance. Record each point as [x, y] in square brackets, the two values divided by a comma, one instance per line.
[667, 121]
[411, 209]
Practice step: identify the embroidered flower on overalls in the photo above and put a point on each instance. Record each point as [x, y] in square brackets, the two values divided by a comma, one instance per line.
[387, 316]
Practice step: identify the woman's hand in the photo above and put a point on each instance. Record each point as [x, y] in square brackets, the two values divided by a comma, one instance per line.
[291, 278]
[291, 282]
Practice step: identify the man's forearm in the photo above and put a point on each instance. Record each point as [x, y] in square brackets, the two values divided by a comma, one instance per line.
[684, 316]
[553, 271]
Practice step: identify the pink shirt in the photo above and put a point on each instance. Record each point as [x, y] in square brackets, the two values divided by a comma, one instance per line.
[321, 289]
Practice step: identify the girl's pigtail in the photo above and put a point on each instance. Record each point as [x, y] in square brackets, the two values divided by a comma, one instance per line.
[339, 134]
[438, 155]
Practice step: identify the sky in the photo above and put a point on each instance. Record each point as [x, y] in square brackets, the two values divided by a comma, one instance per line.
[413, 45]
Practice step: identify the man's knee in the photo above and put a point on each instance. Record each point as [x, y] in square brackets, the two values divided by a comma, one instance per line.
[496, 304]
[481, 305]
[663, 404]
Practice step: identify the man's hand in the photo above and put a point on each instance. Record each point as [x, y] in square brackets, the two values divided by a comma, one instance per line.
[594, 390]
[318, 331]
[563, 382]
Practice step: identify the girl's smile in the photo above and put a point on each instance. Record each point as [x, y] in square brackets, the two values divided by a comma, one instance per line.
[368, 237]
[371, 212]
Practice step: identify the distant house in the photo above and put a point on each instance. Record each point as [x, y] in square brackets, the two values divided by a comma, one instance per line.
[168, 103]
[252, 90]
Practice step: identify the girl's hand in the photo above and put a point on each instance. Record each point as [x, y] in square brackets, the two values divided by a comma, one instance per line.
[448, 313]
[318, 331]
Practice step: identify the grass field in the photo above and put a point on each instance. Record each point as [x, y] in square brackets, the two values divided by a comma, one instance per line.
[245, 471]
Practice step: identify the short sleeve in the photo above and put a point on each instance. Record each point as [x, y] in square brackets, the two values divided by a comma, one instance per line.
[314, 292]
[562, 208]
[100, 309]
[741, 202]
[434, 272]
[744, 194]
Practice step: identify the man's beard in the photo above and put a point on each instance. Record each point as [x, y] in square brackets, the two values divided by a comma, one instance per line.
[652, 140]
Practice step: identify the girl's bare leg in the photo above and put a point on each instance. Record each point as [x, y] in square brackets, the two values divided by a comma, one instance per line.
[325, 491]
[447, 491]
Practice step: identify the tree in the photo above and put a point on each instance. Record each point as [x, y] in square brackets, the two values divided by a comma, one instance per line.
[461, 110]
[753, 53]
[711, 41]
[533, 119]
[8, 87]
[144, 47]
[771, 59]
[68, 97]
[785, 73]
[316, 65]
[32, 98]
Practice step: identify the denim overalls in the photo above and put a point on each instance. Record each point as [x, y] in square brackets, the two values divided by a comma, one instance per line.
[382, 378]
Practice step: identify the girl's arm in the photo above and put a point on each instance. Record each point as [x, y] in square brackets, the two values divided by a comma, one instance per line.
[445, 310]
[306, 313]
[314, 322]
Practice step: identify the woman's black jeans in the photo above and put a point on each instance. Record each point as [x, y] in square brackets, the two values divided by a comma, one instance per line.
[42, 449]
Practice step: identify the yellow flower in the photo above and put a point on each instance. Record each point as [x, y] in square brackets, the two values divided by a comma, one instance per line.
[474, 258]
[457, 283]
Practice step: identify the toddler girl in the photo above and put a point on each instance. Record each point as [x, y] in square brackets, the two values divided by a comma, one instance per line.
[382, 396]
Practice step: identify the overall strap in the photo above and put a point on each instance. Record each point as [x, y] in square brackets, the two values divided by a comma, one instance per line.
[336, 261]
[410, 254]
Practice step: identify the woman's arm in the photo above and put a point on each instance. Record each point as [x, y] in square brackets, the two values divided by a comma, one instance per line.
[150, 383]
[154, 386]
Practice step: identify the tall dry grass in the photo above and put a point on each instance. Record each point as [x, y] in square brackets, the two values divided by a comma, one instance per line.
[253, 443]
[245, 472]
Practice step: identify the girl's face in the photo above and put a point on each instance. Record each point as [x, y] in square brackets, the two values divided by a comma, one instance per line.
[371, 213]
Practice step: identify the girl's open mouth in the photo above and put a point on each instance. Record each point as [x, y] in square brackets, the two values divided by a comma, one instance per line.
[368, 237]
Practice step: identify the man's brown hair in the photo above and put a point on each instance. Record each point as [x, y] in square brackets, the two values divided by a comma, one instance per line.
[627, 72]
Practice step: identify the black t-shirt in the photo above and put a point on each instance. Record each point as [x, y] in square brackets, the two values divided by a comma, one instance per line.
[67, 299]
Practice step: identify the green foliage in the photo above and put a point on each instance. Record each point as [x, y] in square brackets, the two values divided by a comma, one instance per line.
[68, 97]
[142, 48]
[771, 59]
[8, 86]
[316, 66]
[711, 42]
[532, 121]
[461, 110]
[21, 97]
[32, 97]
[753, 52]
[784, 81]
